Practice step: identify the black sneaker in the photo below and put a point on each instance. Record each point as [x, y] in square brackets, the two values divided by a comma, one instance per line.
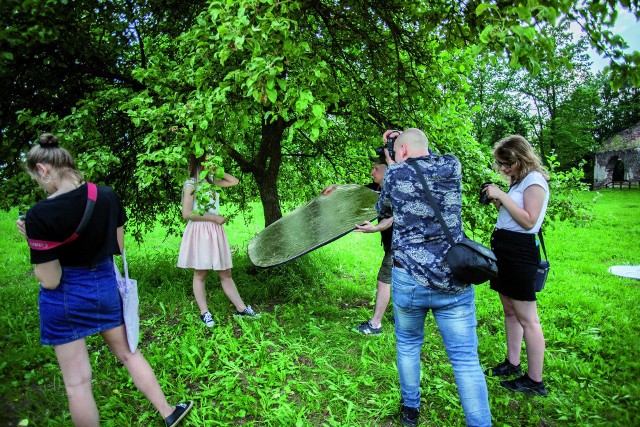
[525, 385]
[409, 416]
[247, 312]
[178, 414]
[366, 328]
[207, 319]
[505, 369]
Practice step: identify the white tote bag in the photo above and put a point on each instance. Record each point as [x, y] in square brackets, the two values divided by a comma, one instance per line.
[128, 289]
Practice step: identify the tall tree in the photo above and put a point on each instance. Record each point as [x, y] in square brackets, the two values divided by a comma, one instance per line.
[74, 60]
[284, 73]
[499, 107]
[562, 72]
[295, 92]
[620, 108]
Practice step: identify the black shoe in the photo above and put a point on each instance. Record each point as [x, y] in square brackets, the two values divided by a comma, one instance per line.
[409, 416]
[207, 318]
[525, 385]
[505, 369]
[366, 328]
[247, 313]
[178, 414]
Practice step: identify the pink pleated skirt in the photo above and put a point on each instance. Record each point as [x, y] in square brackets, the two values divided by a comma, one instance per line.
[204, 246]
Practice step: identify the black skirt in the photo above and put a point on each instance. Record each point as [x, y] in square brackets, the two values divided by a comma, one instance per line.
[518, 259]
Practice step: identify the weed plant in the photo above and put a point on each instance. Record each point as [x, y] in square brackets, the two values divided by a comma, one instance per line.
[300, 365]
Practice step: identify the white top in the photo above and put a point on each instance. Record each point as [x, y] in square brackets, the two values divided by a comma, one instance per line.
[214, 201]
[516, 192]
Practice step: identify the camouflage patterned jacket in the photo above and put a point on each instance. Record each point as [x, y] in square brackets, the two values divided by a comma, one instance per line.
[419, 243]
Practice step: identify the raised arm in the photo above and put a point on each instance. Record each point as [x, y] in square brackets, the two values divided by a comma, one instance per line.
[227, 180]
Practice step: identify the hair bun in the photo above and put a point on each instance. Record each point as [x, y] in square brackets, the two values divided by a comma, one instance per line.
[48, 140]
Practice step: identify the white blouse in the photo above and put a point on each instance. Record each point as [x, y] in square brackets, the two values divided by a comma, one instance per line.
[516, 192]
[214, 200]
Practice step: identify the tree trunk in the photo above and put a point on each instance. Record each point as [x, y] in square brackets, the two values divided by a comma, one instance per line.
[265, 167]
[270, 200]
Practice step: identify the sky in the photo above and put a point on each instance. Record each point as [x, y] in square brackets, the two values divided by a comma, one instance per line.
[626, 26]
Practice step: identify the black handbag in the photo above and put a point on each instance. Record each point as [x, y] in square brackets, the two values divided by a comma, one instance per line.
[543, 267]
[470, 261]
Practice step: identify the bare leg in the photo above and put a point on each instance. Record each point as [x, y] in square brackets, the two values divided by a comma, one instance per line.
[229, 288]
[199, 292]
[513, 330]
[383, 295]
[141, 372]
[527, 314]
[73, 359]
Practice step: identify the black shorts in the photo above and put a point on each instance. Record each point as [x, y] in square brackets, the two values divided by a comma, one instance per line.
[518, 258]
[384, 273]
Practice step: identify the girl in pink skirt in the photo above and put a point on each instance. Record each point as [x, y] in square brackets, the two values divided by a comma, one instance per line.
[204, 244]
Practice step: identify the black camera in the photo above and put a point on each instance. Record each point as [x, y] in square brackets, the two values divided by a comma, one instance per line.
[390, 142]
[484, 199]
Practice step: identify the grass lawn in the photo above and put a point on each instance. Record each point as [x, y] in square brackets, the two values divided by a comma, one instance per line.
[299, 365]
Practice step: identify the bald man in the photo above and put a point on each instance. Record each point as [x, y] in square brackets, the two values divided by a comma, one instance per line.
[421, 280]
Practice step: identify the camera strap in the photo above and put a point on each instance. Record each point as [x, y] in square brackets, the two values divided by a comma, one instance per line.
[92, 196]
[432, 202]
[544, 250]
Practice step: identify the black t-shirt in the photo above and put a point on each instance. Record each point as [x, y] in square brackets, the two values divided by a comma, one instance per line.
[385, 235]
[56, 220]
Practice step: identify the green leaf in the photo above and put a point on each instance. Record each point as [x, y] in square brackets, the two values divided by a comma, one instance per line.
[484, 36]
[524, 13]
[301, 105]
[482, 7]
[239, 42]
[272, 94]
[318, 110]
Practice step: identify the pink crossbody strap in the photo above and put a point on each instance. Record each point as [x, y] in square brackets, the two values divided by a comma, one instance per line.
[92, 196]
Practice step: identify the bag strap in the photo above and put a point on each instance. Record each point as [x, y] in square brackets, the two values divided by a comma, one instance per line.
[125, 267]
[432, 202]
[123, 289]
[544, 250]
[92, 196]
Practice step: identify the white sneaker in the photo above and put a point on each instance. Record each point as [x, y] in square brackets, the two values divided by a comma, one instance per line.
[207, 319]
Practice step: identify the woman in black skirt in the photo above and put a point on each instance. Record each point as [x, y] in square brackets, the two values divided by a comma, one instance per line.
[521, 211]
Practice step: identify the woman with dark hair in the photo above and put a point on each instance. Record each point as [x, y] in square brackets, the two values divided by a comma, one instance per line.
[78, 289]
[521, 211]
[204, 243]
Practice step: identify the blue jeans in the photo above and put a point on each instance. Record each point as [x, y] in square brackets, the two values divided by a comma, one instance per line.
[456, 319]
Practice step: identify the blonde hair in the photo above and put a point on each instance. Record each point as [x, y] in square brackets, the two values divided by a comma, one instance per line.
[48, 151]
[516, 149]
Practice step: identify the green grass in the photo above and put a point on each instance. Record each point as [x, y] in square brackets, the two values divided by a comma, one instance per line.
[300, 365]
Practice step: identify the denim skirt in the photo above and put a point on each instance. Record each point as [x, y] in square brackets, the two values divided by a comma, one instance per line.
[518, 258]
[85, 302]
